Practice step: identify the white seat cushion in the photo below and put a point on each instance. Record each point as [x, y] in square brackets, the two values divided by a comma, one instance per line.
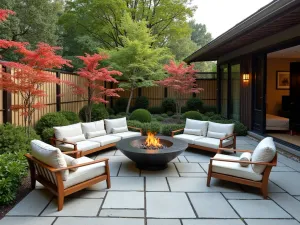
[114, 123]
[106, 139]
[128, 134]
[49, 155]
[189, 138]
[212, 142]
[197, 125]
[264, 152]
[84, 173]
[234, 169]
[221, 128]
[82, 146]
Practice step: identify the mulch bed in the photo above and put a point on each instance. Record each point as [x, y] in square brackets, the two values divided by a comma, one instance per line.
[23, 190]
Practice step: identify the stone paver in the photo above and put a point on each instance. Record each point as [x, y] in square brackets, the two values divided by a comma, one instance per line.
[288, 203]
[189, 168]
[211, 205]
[174, 196]
[97, 221]
[33, 204]
[124, 200]
[213, 222]
[258, 209]
[156, 184]
[74, 207]
[271, 222]
[163, 222]
[168, 205]
[27, 220]
[191, 184]
[121, 213]
[289, 181]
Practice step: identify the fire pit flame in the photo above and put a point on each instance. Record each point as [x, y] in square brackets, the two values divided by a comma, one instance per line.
[152, 142]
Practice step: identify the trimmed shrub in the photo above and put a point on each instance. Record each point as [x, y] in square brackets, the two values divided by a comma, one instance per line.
[120, 105]
[168, 128]
[170, 113]
[13, 167]
[184, 109]
[71, 116]
[155, 110]
[194, 104]
[153, 127]
[209, 108]
[209, 114]
[159, 118]
[110, 111]
[216, 117]
[134, 123]
[50, 120]
[14, 139]
[194, 115]
[99, 112]
[141, 115]
[47, 134]
[168, 104]
[164, 115]
[141, 102]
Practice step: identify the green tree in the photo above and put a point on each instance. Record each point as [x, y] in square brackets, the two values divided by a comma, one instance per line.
[140, 63]
[199, 33]
[182, 48]
[99, 21]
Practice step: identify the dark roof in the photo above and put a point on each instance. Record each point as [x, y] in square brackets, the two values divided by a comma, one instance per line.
[272, 18]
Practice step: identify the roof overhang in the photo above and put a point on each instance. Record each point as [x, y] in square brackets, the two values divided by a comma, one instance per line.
[275, 17]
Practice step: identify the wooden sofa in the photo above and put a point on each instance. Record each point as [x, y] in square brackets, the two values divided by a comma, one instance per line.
[208, 136]
[87, 138]
[44, 169]
[254, 171]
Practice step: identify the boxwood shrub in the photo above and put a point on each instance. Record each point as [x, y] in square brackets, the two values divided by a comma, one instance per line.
[47, 134]
[120, 105]
[141, 102]
[141, 115]
[72, 117]
[99, 112]
[50, 120]
[194, 104]
[168, 104]
[194, 115]
[168, 128]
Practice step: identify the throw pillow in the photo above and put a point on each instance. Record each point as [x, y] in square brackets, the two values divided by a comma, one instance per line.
[246, 156]
[71, 161]
[75, 139]
[119, 130]
[215, 135]
[95, 134]
[192, 131]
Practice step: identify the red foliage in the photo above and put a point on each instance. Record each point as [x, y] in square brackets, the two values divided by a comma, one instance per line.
[95, 76]
[182, 78]
[4, 14]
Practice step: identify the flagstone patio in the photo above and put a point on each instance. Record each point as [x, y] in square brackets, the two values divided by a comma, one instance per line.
[175, 196]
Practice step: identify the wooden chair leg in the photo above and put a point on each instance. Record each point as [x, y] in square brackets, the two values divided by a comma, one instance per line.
[108, 182]
[60, 202]
[32, 174]
[107, 171]
[209, 175]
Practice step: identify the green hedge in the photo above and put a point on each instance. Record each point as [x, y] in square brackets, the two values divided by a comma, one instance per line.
[71, 116]
[47, 134]
[153, 127]
[155, 110]
[141, 115]
[194, 115]
[194, 104]
[50, 120]
[141, 102]
[120, 105]
[168, 128]
[168, 104]
[99, 112]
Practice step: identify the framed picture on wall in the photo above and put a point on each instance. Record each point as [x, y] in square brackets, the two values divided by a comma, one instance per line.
[283, 80]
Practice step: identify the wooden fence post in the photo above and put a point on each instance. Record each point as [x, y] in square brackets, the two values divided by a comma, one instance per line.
[7, 114]
[166, 93]
[58, 94]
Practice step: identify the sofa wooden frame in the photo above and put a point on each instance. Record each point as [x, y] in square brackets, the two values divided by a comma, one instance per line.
[79, 153]
[51, 177]
[262, 185]
[233, 145]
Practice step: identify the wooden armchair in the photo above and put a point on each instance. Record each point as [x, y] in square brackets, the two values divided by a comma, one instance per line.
[261, 183]
[52, 179]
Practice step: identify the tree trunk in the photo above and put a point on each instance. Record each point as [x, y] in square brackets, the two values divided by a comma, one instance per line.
[88, 112]
[129, 100]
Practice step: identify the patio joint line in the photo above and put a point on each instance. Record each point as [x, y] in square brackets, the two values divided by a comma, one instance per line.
[233, 208]
[168, 184]
[102, 203]
[145, 202]
[202, 167]
[177, 169]
[56, 218]
[119, 169]
[46, 205]
[194, 210]
[180, 220]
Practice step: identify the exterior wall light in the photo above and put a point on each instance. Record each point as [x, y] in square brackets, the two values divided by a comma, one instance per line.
[246, 77]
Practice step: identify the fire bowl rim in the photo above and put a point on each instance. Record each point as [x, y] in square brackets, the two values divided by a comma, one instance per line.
[178, 145]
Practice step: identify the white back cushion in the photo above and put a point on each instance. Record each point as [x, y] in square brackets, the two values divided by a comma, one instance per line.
[68, 131]
[114, 123]
[92, 126]
[221, 128]
[197, 125]
[49, 155]
[215, 134]
[264, 152]
[192, 131]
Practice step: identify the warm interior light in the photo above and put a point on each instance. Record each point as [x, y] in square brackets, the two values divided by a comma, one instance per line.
[152, 141]
[246, 77]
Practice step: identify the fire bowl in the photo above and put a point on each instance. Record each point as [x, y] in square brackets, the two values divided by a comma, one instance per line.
[151, 159]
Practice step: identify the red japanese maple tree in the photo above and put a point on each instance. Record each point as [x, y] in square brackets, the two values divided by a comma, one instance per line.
[181, 80]
[95, 75]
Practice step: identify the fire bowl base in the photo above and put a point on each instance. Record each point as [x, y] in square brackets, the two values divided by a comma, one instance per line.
[150, 167]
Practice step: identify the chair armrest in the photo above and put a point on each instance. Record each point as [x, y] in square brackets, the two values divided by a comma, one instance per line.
[233, 150]
[72, 152]
[229, 136]
[246, 162]
[62, 141]
[176, 131]
[82, 164]
[136, 128]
